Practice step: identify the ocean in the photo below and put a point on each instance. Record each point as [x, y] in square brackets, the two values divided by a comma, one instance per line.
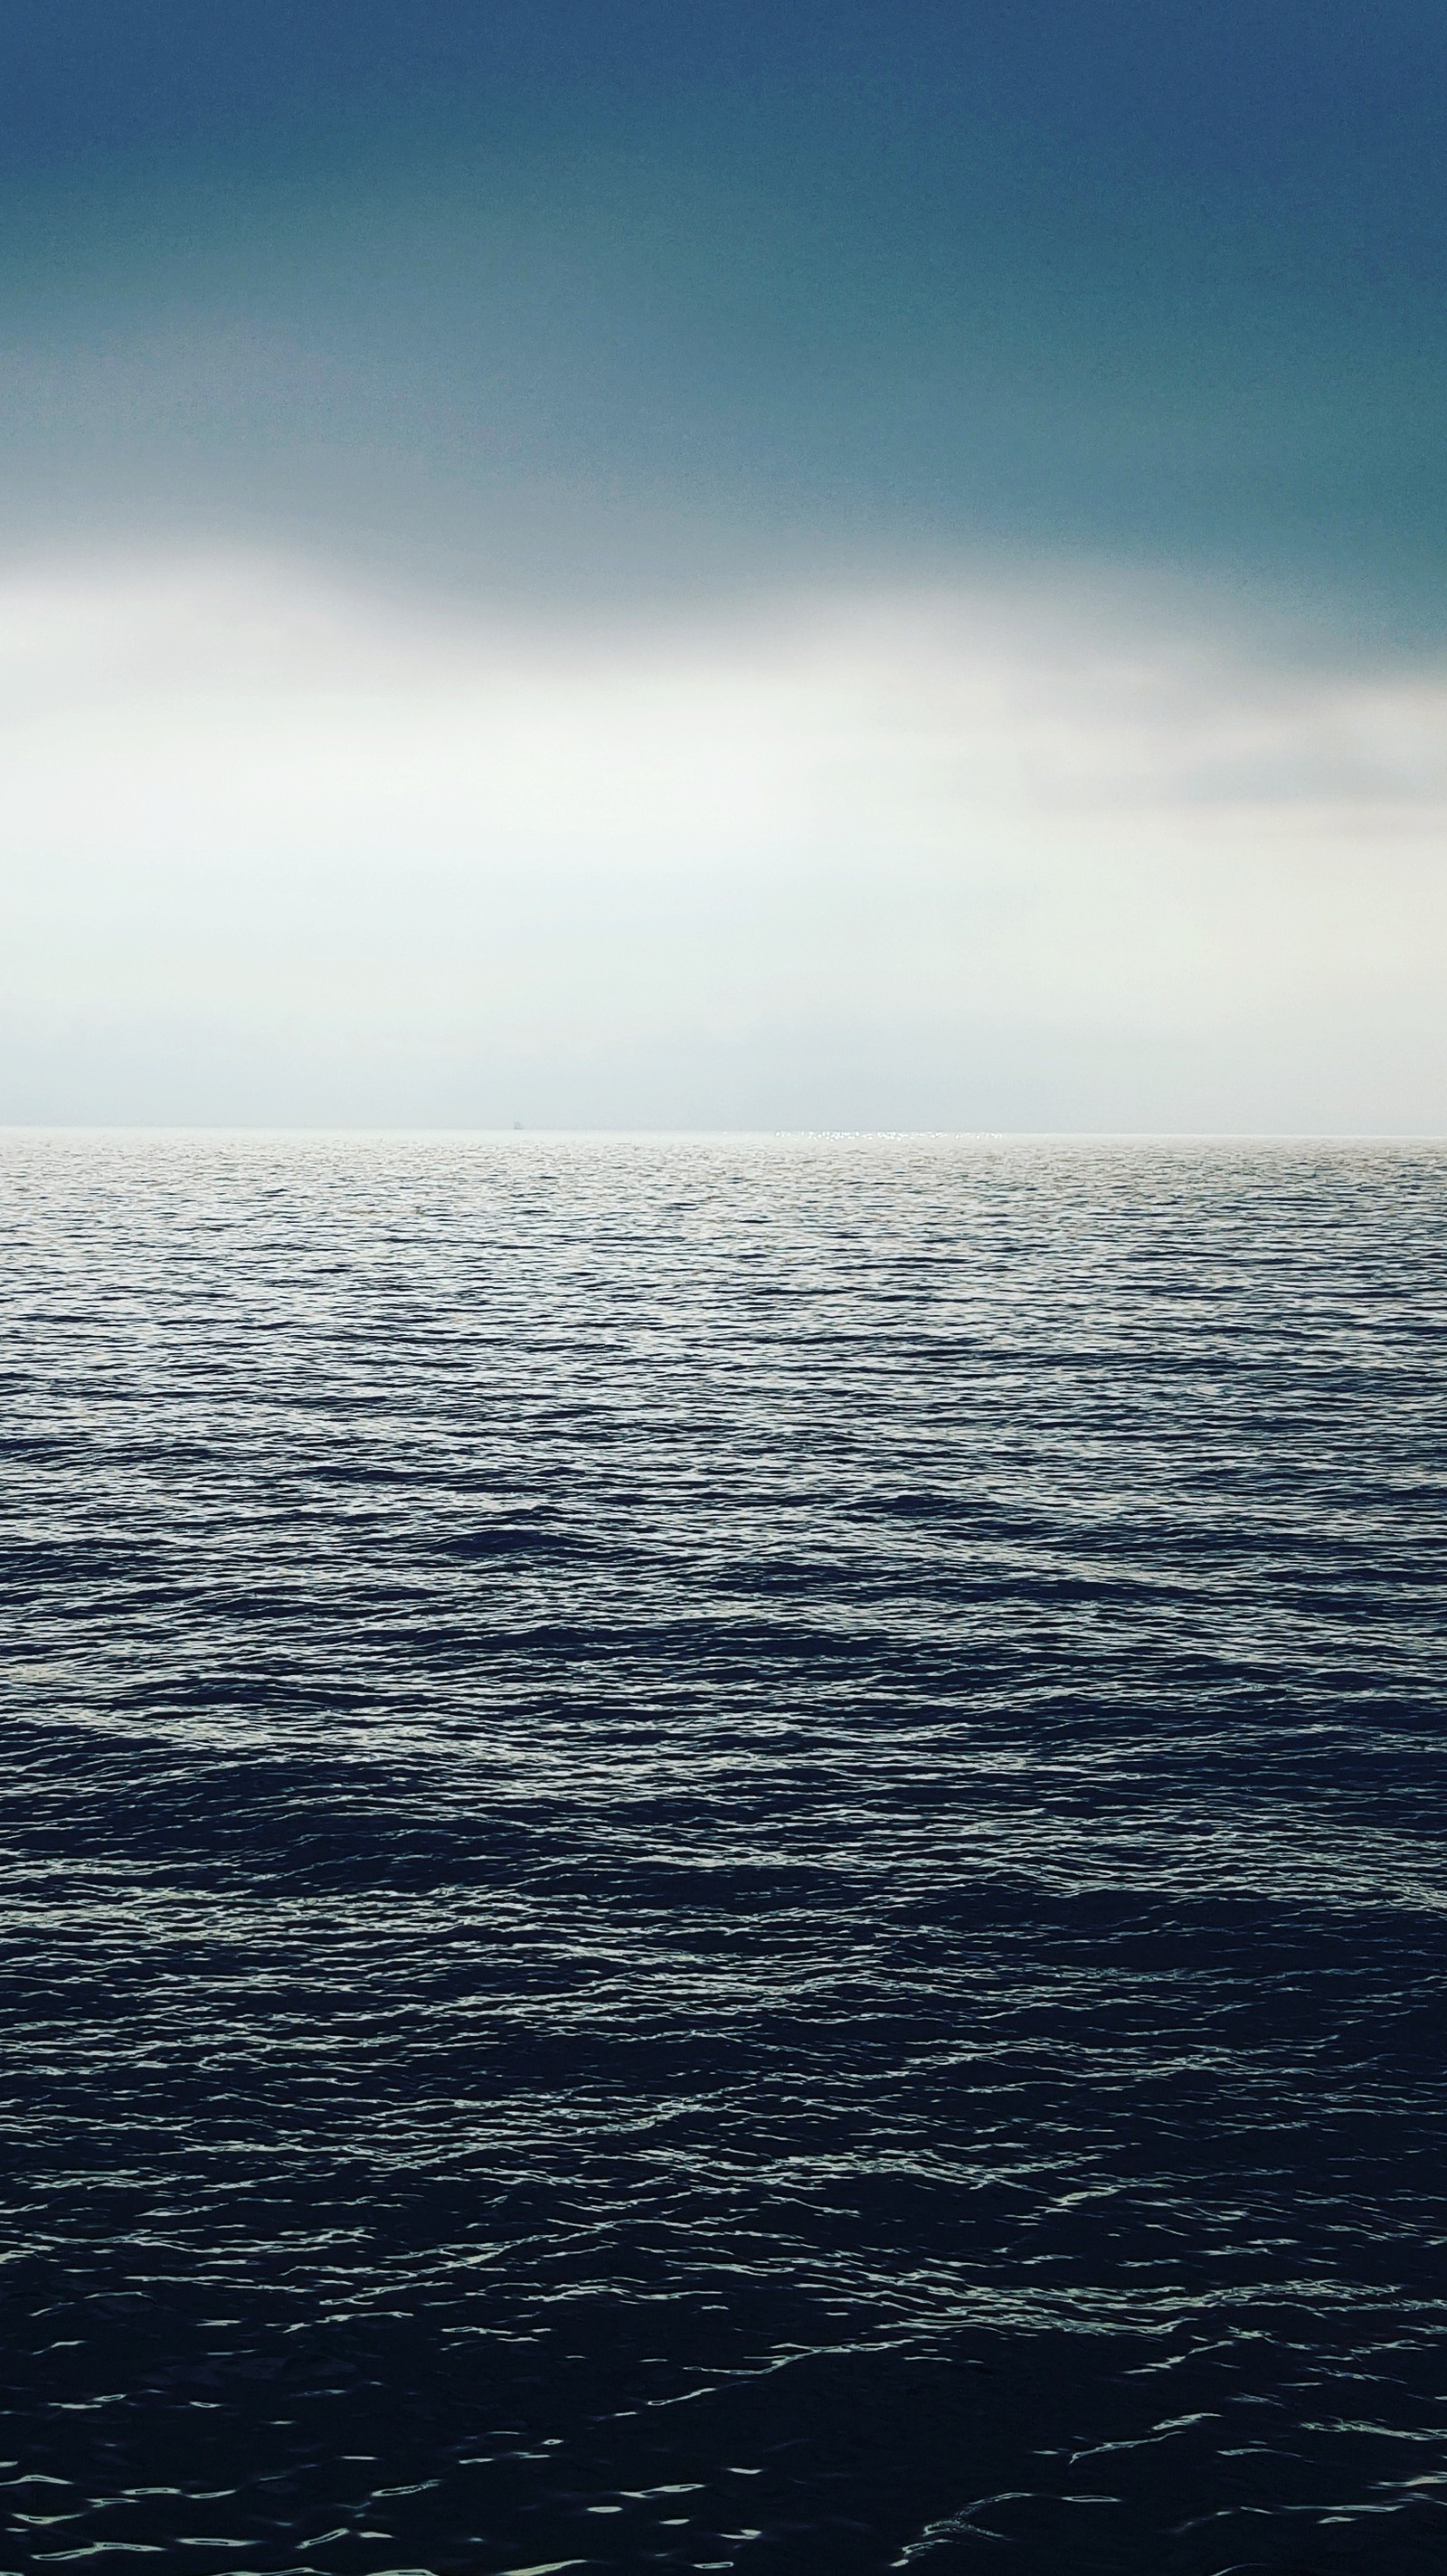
[724, 1853]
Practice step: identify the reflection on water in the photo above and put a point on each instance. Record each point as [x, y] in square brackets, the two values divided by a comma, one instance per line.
[724, 1854]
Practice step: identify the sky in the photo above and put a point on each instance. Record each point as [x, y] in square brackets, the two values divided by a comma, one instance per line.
[603, 563]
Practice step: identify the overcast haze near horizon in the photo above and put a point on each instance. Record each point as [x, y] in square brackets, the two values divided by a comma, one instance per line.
[712, 567]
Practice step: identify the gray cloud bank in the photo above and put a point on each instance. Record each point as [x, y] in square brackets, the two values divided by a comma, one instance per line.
[635, 299]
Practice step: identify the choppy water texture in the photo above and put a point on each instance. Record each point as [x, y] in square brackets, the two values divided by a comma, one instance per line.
[724, 1854]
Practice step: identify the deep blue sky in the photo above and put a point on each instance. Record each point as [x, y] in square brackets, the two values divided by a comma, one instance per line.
[596, 291]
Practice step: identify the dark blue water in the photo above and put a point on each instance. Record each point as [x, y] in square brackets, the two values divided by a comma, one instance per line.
[724, 1854]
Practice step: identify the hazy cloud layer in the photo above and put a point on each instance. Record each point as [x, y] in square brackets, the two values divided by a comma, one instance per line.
[1031, 852]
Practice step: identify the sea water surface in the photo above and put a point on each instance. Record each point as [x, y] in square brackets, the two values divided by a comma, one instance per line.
[724, 1853]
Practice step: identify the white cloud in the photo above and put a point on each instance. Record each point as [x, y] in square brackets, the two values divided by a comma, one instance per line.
[1035, 853]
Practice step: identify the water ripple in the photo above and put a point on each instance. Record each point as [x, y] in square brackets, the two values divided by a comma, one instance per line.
[724, 1854]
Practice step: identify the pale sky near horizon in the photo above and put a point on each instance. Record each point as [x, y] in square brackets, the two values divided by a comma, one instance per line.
[627, 566]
